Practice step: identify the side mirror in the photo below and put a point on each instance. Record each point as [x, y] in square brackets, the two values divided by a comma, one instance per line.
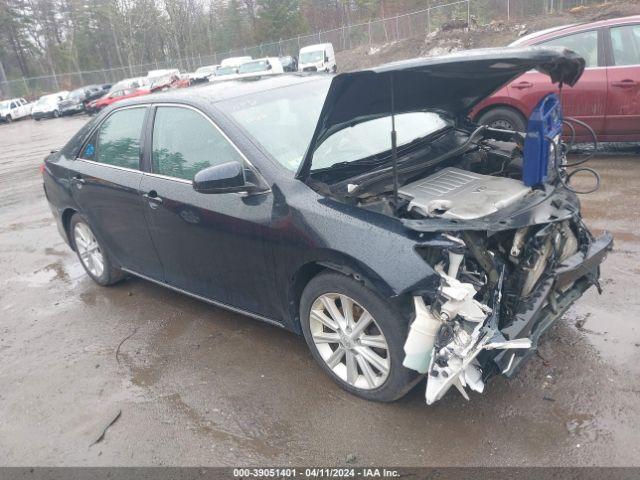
[225, 178]
[326, 59]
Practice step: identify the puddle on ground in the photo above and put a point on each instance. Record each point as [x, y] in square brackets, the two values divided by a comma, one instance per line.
[68, 273]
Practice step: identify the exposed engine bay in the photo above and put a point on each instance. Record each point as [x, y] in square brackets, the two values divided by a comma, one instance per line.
[503, 249]
[456, 193]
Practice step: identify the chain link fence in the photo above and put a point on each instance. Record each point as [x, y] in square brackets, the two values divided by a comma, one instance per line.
[347, 37]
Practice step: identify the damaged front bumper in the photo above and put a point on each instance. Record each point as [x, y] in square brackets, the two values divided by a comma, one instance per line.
[478, 344]
[551, 300]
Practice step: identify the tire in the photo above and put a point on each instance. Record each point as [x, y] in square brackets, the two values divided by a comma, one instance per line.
[108, 274]
[56, 114]
[504, 118]
[388, 387]
[8, 119]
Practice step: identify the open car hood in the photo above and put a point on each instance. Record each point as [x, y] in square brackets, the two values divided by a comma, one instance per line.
[452, 83]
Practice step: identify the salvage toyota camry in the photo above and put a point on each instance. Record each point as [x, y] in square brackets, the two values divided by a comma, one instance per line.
[363, 211]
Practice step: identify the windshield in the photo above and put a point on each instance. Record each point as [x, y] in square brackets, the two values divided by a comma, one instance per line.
[372, 137]
[225, 71]
[4, 105]
[250, 67]
[312, 57]
[282, 120]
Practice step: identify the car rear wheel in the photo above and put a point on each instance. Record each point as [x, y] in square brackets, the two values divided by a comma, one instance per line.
[356, 337]
[92, 255]
[504, 118]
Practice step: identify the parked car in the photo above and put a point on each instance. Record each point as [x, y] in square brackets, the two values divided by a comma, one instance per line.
[317, 58]
[14, 109]
[260, 67]
[460, 269]
[134, 82]
[229, 68]
[234, 61]
[202, 74]
[608, 95]
[289, 63]
[77, 100]
[115, 96]
[223, 72]
[169, 80]
[48, 106]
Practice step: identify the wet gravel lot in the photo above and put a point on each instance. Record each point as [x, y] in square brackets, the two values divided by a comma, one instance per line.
[197, 385]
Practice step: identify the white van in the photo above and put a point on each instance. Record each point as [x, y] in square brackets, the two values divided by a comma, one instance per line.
[260, 67]
[234, 61]
[228, 69]
[317, 58]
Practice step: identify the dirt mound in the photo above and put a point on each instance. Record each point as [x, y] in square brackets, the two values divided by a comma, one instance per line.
[457, 35]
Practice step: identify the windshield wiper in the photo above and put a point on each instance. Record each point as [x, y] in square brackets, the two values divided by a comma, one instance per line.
[386, 173]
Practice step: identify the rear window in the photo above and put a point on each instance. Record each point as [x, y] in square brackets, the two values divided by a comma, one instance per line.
[117, 141]
[625, 42]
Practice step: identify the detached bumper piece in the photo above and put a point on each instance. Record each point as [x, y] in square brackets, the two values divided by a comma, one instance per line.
[458, 341]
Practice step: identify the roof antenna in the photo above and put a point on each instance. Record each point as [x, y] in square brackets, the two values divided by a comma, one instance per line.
[394, 145]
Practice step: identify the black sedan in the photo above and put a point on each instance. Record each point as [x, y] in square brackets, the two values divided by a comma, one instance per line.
[362, 210]
[78, 99]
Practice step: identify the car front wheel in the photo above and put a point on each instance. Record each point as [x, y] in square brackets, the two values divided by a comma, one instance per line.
[92, 254]
[356, 337]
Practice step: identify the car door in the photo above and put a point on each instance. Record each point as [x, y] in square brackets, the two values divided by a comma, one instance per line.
[105, 179]
[623, 102]
[213, 245]
[586, 100]
[15, 112]
[22, 108]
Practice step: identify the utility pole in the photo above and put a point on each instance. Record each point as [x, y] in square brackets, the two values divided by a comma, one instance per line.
[4, 86]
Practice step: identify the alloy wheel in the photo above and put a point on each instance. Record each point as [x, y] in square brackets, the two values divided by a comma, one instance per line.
[349, 341]
[89, 249]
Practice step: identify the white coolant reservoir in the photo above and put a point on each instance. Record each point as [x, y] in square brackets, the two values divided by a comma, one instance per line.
[421, 338]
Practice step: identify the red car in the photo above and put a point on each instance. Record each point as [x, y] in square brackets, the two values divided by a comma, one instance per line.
[115, 96]
[607, 97]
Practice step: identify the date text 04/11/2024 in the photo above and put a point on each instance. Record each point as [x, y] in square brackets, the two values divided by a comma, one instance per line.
[316, 472]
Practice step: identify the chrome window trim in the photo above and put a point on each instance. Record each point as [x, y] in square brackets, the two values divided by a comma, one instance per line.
[166, 177]
[116, 167]
[210, 120]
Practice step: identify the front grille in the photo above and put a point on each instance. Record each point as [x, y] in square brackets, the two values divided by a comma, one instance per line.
[310, 69]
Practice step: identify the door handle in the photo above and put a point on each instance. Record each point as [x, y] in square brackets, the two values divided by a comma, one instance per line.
[78, 180]
[522, 85]
[153, 198]
[626, 83]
